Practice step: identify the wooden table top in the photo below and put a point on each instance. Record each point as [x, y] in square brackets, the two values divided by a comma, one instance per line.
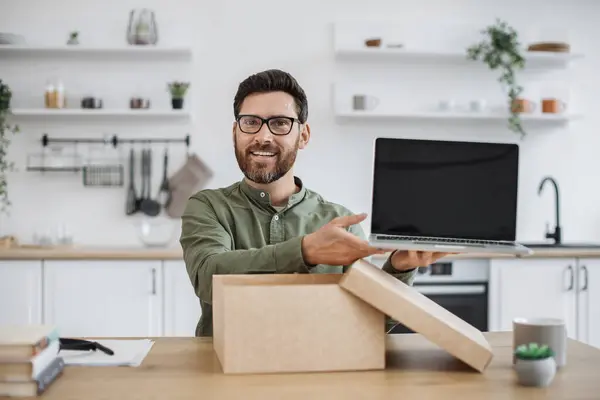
[187, 368]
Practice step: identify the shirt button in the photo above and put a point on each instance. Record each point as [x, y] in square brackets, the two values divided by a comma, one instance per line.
[262, 194]
[276, 218]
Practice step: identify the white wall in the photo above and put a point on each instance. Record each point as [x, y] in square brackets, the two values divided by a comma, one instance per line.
[232, 39]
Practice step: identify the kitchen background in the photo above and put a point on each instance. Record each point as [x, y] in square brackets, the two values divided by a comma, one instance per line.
[228, 40]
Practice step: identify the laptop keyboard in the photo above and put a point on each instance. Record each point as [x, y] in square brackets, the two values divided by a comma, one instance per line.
[423, 239]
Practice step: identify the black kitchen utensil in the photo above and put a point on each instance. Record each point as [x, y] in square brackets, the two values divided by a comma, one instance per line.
[148, 206]
[164, 193]
[132, 205]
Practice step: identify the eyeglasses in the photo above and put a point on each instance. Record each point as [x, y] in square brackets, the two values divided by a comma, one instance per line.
[83, 345]
[277, 125]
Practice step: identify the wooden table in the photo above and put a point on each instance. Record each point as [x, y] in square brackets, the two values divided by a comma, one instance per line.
[186, 368]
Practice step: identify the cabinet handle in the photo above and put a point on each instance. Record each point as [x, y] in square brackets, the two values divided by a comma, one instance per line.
[572, 280]
[153, 281]
[585, 282]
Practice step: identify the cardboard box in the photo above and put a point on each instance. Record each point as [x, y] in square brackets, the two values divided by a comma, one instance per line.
[294, 323]
[328, 322]
[419, 313]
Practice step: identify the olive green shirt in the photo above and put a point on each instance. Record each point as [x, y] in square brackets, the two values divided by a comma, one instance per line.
[236, 230]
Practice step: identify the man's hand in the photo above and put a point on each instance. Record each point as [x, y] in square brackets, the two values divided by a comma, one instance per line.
[410, 259]
[333, 245]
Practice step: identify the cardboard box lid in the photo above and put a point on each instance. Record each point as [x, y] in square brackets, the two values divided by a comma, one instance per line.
[417, 312]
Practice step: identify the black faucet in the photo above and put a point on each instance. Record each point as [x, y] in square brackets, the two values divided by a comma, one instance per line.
[556, 235]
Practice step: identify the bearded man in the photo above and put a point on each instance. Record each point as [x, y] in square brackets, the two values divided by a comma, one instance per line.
[269, 222]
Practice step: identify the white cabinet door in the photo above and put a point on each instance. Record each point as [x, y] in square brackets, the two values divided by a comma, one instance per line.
[589, 301]
[182, 306]
[533, 288]
[20, 292]
[104, 298]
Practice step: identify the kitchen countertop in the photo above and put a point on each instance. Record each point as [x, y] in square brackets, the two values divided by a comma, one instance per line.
[91, 253]
[187, 368]
[175, 253]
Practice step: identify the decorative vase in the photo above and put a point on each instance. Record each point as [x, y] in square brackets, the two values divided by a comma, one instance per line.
[535, 372]
[177, 103]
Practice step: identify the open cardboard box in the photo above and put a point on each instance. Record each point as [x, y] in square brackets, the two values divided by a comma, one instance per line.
[328, 322]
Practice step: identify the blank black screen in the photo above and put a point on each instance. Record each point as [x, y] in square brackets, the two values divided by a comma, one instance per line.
[445, 188]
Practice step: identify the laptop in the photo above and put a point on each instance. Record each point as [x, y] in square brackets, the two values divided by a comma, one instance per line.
[445, 196]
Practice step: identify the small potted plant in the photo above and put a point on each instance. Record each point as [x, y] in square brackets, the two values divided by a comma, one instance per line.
[178, 91]
[535, 364]
[73, 38]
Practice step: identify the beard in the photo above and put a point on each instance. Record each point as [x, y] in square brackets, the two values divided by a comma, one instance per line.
[264, 172]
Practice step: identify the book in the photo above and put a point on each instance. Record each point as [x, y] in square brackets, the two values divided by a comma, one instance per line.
[21, 342]
[34, 387]
[21, 371]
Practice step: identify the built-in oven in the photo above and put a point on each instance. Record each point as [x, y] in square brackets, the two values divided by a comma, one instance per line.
[460, 286]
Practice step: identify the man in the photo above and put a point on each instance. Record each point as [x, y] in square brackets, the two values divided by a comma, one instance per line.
[269, 222]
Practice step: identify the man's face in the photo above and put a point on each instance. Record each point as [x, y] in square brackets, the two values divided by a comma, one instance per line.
[265, 157]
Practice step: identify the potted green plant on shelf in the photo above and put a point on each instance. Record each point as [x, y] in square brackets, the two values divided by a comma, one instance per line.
[500, 50]
[5, 130]
[73, 38]
[178, 91]
[535, 364]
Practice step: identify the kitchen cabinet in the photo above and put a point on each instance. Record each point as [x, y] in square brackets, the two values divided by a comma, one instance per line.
[104, 297]
[567, 288]
[182, 306]
[20, 292]
[588, 312]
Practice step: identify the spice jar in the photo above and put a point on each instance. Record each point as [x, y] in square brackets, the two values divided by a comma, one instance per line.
[54, 96]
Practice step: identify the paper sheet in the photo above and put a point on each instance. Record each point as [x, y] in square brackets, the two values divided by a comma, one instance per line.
[127, 353]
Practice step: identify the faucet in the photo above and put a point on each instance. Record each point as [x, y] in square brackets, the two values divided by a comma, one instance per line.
[556, 235]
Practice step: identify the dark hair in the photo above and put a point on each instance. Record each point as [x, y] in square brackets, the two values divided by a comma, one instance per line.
[272, 80]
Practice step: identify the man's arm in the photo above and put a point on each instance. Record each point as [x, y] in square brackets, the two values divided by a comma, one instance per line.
[207, 250]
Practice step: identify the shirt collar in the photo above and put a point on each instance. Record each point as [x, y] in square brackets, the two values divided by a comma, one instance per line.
[262, 196]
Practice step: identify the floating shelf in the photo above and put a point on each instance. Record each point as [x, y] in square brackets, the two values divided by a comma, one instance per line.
[534, 59]
[125, 50]
[457, 116]
[142, 113]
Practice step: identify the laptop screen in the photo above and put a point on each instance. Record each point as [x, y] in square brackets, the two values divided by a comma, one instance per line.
[465, 190]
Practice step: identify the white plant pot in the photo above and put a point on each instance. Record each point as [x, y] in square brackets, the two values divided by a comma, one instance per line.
[536, 372]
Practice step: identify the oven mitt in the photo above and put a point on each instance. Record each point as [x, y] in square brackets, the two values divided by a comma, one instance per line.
[190, 178]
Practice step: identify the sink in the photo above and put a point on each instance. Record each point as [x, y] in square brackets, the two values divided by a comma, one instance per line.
[568, 245]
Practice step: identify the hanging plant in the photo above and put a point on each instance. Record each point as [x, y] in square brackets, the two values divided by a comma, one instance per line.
[5, 129]
[500, 50]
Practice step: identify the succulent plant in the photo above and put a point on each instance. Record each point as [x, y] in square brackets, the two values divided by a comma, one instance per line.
[533, 351]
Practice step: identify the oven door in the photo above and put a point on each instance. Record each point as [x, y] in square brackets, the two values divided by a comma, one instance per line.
[468, 301]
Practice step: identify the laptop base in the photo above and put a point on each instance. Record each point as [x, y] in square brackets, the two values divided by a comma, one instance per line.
[447, 245]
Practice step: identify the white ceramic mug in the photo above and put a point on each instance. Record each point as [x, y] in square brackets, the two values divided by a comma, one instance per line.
[446, 105]
[477, 105]
[364, 102]
[549, 331]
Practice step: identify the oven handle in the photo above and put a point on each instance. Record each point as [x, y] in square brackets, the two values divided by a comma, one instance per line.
[444, 290]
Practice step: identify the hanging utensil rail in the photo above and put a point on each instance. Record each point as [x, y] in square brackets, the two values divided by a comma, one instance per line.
[114, 140]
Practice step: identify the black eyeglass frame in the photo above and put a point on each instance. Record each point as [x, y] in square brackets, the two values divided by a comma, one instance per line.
[83, 345]
[266, 121]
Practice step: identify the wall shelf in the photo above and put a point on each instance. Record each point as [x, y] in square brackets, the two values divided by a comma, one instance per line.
[104, 51]
[534, 59]
[108, 113]
[456, 116]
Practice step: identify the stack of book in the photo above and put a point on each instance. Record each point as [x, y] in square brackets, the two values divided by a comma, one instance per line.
[29, 361]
